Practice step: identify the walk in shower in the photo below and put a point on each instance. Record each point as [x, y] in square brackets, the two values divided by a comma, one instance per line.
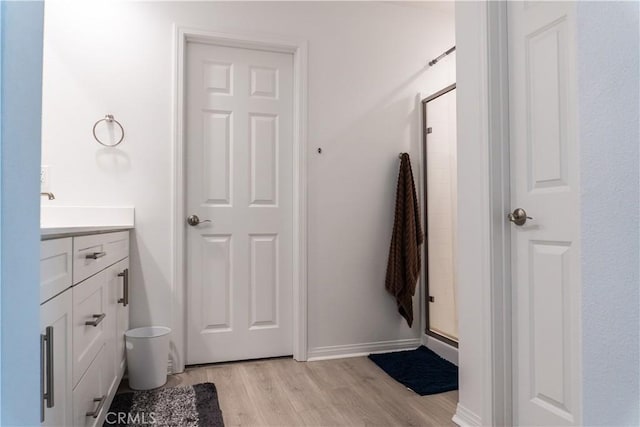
[439, 122]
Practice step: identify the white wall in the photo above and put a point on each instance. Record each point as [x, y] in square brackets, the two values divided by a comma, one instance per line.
[367, 63]
[21, 72]
[609, 106]
[443, 73]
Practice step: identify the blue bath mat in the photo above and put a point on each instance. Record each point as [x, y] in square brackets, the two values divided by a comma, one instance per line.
[420, 370]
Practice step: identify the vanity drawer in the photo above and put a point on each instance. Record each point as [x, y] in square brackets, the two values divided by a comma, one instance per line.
[55, 267]
[96, 252]
[90, 395]
[90, 307]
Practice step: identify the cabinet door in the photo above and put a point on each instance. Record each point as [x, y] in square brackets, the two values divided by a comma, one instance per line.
[90, 396]
[117, 321]
[122, 316]
[55, 267]
[90, 321]
[56, 314]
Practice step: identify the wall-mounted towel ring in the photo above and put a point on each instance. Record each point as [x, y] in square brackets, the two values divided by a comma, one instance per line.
[109, 119]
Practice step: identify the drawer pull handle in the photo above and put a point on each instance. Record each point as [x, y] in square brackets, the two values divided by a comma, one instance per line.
[96, 411]
[97, 318]
[95, 255]
[46, 370]
[43, 366]
[125, 296]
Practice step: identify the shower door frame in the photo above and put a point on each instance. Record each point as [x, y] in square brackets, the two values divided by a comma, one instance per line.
[424, 130]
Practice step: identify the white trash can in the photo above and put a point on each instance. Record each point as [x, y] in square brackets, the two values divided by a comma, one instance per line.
[147, 356]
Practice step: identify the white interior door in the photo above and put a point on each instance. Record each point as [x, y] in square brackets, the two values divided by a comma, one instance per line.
[545, 183]
[239, 106]
[441, 172]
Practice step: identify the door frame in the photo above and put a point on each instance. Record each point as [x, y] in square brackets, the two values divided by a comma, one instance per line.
[298, 48]
[499, 171]
[483, 78]
[495, 234]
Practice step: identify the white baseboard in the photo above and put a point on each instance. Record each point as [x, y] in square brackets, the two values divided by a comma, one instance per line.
[442, 349]
[357, 350]
[465, 418]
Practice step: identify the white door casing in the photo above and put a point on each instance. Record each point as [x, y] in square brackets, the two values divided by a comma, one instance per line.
[239, 174]
[545, 182]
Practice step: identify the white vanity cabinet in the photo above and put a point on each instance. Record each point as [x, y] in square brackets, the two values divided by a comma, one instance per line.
[83, 321]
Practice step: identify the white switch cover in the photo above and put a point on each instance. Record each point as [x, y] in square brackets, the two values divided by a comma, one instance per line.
[45, 178]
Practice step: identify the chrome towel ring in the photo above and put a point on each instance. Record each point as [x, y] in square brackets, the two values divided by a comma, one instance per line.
[109, 119]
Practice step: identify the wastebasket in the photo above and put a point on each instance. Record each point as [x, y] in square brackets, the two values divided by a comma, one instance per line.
[147, 356]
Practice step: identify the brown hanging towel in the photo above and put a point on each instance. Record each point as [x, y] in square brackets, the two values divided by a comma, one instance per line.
[403, 267]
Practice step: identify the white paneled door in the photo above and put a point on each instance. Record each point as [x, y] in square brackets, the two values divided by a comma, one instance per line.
[239, 133]
[545, 183]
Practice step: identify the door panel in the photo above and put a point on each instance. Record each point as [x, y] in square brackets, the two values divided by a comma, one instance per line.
[215, 302]
[264, 281]
[217, 156]
[239, 175]
[545, 182]
[264, 161]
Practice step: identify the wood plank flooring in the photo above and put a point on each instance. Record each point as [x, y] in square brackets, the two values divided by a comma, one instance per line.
[340, 392]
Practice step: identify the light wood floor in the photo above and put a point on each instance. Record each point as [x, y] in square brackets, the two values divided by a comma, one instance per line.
[340, 392]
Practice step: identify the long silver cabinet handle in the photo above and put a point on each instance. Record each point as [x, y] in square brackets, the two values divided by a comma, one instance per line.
[46, 371]
[95, 255]
[97, 318]
[96, 411]
[125, 296]
[50, 371]
[43, 344]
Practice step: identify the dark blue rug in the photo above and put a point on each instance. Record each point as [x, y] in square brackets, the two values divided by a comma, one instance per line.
[420, 370]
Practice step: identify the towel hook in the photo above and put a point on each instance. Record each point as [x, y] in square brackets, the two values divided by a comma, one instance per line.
[108, 119]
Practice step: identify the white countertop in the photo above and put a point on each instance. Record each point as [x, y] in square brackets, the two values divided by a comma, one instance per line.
[52, 232]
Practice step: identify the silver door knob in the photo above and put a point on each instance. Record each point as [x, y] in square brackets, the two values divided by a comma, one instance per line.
[194, 220]
[518, 216]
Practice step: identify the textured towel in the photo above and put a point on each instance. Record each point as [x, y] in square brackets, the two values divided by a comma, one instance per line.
[403, 266]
